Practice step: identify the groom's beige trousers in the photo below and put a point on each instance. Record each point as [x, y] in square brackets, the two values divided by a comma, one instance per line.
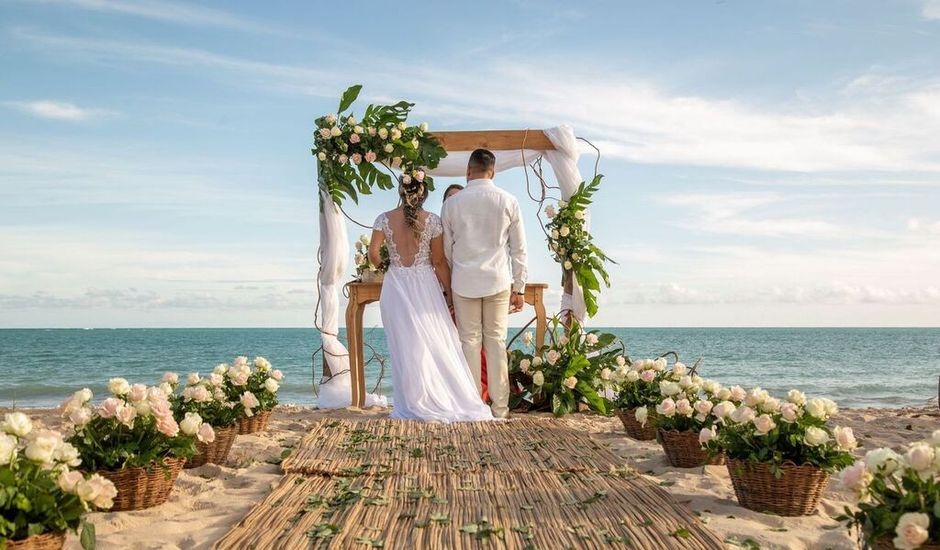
[481, 323]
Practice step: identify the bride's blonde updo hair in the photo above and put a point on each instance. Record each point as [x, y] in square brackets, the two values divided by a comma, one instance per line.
[413, 193]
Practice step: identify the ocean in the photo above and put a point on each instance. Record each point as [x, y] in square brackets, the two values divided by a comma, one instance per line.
[857, 367]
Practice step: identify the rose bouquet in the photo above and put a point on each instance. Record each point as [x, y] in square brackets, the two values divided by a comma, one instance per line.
[351, 151]
[364, 268]
[898, 496]
[780, 453]
[636, 390]
[133, 439]
[573, 368]
[572, 245]
[253, 388]
[43, 497]
[688, 413]
[204, 403]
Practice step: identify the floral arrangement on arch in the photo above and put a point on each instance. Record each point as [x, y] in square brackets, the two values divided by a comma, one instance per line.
[764, 429]
[42, 492]
[134, 427]
[898, 495]
[575, 367]
[252, 388]
[351, 150]
[572, 245]
[363, 264]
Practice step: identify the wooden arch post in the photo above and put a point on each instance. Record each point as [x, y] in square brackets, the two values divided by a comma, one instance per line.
[362, 294]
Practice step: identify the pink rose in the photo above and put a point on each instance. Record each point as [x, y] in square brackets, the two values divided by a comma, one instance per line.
[240, 362]
[160, 408]
[789, 412]
[764, 424]
[126, 415]
[80, 417]
[356, 158]
[683, 407]
[354, 138]
[912, 531]
[856, 478]
[667, 408]
[647, 375]
[68, 481]
[168, 426]
[325, 133]
[200, 394]
[206, 434]
[138, 392]
[845, 438]
[705, 435]
[371, 156]
[738, 393]
[277, 375]
[249, 401]
[240, 378]
[110, 407]
[703, 406]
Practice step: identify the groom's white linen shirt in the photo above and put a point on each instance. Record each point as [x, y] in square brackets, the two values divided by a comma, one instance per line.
[484, 240]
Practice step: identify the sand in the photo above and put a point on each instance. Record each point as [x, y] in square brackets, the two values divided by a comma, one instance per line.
[207, 501]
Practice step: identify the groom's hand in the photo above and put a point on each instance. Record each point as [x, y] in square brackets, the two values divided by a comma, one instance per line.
[516, 303]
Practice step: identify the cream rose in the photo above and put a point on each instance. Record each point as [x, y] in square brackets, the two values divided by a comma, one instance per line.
[845, 438]
[571, 382]
[119, 386]
[524, 365]
[191, 423]
[16, 423]
[815, 437]
[763, 424]
[538, 378]
[641, 415]
[912, 531]
[271, 385]
[8, 448]
[666, 408]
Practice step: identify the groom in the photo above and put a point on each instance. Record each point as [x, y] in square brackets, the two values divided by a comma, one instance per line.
[484, 242]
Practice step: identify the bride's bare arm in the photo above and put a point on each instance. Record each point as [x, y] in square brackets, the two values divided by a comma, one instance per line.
[375, 247]
[441, 268]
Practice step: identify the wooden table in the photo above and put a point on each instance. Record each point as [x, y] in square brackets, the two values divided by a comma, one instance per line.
[362, 294]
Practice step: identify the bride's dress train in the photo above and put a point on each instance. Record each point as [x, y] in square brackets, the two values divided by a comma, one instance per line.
[430, 376]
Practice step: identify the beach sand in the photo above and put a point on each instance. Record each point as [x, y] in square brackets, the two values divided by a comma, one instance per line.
[208, 500]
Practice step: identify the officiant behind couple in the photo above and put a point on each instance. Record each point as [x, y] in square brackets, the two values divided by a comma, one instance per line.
[472, 258]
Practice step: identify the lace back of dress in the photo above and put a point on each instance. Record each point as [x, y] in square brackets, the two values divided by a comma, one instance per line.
[404, 250]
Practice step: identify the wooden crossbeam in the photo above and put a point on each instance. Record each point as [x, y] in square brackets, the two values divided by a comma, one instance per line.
[494, 140]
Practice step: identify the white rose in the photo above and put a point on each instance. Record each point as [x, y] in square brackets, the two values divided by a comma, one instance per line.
[562, 204]
[383, 133]
[538, 378]
[816, 408]
[632, 376]
[396, 133]
[564, 231]
[685, 382]
[193, 378]
[16, 423]
[166, 388]
[524, 365]
[755, 397]
[191, 423]
[423, 126]
[351, 120]
[683, 407]
[882, 460]
[743, 414]
[920, 457]
[679, 369]
[796, 397]
[66, 454]
[815, 437]
[568, 265]
[737, 393]
[669, 388]
[845, 438]
[659, 365]
[389, 147]
[830, 406]
[325, 133]
[335, 131]
[771, 404]
[912, 531]
[703, 406]
[68, 481]
[764, 424]
[321, 156]
[705, 436]
[8, 447]
[641, 415]
[358, 129]
[552, 357]
[723, 409]
[80, 416]
[537, 362]
[550, 211]
[83, 395]
[571, 382]
[402, 125]
[605, 374]
[723, 394]
[271, 385]
[119, 386]
[173, 378]
[277, 375]
[42, 448]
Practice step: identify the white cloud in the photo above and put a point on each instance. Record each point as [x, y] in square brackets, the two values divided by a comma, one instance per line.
[931, 9]
[173, 12]
[918, 225]
[57, 110]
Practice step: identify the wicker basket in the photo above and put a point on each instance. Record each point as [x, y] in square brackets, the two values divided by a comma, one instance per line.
[684, 451]
[885, 543]
[217, 451]
[634, 429]
[795, 493]
[45, 541]
[253, 424]
[140, 488]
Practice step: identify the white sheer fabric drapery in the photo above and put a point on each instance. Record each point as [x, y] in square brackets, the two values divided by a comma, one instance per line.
[334, 253]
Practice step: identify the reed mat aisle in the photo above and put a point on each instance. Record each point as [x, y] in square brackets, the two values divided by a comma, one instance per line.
[523, 484]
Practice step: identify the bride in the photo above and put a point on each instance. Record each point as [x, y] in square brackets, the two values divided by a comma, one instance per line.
[430, 376]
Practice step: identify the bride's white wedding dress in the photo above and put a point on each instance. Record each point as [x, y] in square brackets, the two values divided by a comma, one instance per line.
[430, 376]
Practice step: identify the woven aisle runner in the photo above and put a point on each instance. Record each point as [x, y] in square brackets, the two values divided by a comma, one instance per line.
[467, 486]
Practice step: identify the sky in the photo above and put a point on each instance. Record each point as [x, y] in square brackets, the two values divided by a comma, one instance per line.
[766, 163]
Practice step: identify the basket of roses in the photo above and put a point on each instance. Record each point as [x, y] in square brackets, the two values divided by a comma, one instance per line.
[43, 496]
[253, 388]
[688, 413]
[569, 372]
[898, 496]
[780, 453]
[132, 439]
[636, 390]
[203, 403]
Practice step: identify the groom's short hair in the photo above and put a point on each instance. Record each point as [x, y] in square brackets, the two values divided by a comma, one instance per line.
[482, 160]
